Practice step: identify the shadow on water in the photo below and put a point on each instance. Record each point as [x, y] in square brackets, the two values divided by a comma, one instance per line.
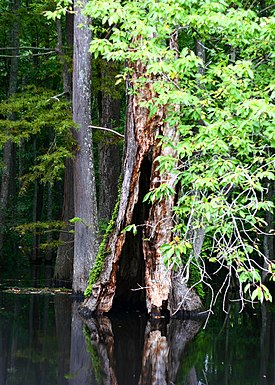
[43, 341]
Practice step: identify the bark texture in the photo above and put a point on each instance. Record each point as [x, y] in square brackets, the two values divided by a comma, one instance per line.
[141, 254]
[86, 243]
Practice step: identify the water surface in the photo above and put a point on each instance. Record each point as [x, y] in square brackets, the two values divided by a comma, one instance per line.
[43, 341]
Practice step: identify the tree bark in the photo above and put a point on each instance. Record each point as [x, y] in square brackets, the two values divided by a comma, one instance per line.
[86, 233]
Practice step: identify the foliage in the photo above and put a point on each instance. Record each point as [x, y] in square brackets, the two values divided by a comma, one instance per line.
[60, 9]
[39, 112]
[224, 159]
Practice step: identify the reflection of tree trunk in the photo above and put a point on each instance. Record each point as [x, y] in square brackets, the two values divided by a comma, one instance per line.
[80, 362]
[118, 350]
[192, 377]
[62, 305]
[5, 335]
[163, 352]
[266, 343]
[100, 345]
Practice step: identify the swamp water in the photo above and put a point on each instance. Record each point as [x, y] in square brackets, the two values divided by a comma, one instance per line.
[44, 342]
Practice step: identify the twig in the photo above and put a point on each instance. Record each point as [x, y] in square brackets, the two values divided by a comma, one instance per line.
[266, 8]
[56, 97]
[23, 47]
[108, 129]
[30, 54]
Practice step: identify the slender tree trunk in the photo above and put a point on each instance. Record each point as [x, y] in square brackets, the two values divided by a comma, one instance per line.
[7, 185]
[49, 251]
[65, 253]
[133, 263]
[108, 154]
[86, 232]
[269, 241]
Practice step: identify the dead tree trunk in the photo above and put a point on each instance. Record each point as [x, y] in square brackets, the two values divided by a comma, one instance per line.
[134, 273]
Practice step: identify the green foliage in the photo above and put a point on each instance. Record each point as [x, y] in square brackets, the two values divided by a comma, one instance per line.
[60, 9]
[130, 228]
[38, 112]
[103, 251]
[224, 158]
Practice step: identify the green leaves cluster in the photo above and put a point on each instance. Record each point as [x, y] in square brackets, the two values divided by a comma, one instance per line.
[37, 111]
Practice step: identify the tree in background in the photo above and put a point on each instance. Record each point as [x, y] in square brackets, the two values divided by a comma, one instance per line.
[36, 130]
[85, 203]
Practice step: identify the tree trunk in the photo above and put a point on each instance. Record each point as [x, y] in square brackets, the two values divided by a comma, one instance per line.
[86, 242]
[134, 273]
[65, 253]
[269, 241]
[8, 182]
[108, 154]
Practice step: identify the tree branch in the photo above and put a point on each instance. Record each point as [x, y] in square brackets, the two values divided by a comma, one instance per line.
[107, 129]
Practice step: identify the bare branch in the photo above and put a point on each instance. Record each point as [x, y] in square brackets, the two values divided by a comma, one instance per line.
[107, 129]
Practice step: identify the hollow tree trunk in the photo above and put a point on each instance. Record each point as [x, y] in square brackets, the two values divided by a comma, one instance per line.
[136, 262]
[85, 242]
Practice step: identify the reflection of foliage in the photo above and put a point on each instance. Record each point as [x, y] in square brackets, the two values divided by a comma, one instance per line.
[95, 358]
[30, 323]
[231, 349]
[194, 356]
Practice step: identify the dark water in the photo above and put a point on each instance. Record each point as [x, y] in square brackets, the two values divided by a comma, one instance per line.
[44, 342]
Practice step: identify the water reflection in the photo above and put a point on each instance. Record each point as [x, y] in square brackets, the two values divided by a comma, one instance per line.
[43, 341]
